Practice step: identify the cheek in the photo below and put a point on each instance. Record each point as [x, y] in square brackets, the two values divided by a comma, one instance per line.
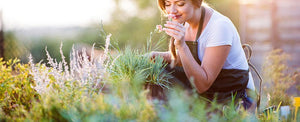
[191, 11]
[188, 13]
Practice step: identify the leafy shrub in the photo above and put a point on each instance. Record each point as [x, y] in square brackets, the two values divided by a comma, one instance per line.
[15, 87]
[279, 77]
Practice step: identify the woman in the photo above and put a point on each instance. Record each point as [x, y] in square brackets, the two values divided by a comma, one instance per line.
[209, 54]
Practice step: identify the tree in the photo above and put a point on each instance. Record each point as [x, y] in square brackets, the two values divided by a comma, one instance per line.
[1, 37]
[133, 28]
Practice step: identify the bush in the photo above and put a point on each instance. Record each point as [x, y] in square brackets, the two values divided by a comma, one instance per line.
[16, 88]
[278, 77]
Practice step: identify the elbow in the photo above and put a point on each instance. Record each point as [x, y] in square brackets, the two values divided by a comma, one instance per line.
[203, 85]
[203, 88]
[202, 82]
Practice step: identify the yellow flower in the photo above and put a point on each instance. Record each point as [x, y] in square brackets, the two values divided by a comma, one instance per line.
[297, 101]
[297, 105]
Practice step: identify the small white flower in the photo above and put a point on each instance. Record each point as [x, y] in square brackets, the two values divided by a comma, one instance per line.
[158, 28]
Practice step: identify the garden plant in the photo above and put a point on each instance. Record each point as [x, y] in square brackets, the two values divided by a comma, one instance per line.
[115, 87]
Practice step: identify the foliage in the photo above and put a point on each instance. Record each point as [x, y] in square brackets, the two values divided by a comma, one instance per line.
[222, 7]
[14, 48]
[86, 38]
[279, 77]
[15, 90]
[132, 66]
[104, 88]
[75, 93]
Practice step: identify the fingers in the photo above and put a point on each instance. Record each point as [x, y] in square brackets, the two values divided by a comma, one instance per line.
[174, 33]
[174, 25]
[174, 28]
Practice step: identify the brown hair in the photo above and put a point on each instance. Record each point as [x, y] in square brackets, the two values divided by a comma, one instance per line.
[173, 52]
[161, 4]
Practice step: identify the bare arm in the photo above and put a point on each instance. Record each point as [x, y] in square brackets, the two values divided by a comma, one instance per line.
[212, 63]
[204, 75]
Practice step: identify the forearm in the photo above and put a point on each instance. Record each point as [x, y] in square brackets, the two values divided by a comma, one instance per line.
[193, 70]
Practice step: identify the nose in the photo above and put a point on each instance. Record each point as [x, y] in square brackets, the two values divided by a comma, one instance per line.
[172, 9]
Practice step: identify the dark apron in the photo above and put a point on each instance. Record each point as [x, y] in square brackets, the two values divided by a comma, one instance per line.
[229, 82]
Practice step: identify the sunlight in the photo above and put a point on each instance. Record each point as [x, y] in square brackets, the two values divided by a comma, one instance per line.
[36, 13]
[248, 1]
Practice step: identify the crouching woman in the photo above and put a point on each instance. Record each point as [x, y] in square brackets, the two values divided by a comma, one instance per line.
[204, 51]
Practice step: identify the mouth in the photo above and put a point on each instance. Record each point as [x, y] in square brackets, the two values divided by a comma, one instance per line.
[177, 16]
[173, 16]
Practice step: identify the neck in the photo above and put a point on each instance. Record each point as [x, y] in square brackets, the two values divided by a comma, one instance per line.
[194, 21]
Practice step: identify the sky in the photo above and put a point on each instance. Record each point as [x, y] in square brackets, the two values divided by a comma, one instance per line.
[22, 14]
[19, 14]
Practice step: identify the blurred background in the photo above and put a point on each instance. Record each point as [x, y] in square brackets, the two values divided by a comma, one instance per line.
[27, 27]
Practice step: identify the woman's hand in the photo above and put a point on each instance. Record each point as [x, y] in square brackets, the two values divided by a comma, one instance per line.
[175, 30]
[165, 55]
[153, 54]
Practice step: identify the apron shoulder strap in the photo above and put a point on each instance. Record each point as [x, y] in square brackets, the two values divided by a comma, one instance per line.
[201, 22]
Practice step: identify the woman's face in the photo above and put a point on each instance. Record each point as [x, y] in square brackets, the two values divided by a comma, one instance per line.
[182, 10]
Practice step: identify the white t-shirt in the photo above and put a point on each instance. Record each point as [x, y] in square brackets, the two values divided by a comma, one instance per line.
[221, 31]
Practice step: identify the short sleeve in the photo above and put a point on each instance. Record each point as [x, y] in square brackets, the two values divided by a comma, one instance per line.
[220, 33]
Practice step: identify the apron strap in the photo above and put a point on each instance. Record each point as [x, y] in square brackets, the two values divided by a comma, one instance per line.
[201, 22]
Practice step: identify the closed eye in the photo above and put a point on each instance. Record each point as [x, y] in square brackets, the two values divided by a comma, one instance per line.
[180, 3]
[167, 3]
